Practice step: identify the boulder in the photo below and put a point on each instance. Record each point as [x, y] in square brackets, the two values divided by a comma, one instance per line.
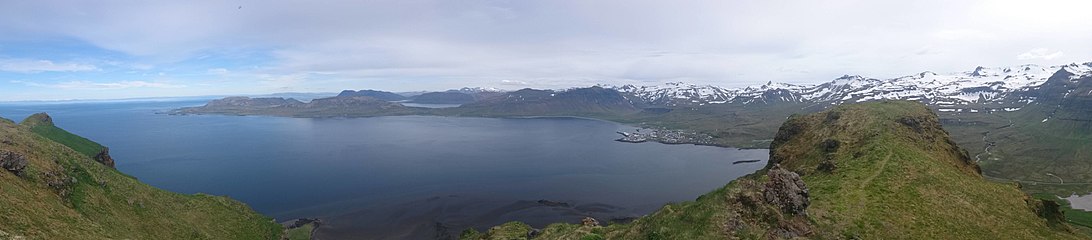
[104, 157]
[786, 190]
[589, 222]
[13, 162]
[831, 145]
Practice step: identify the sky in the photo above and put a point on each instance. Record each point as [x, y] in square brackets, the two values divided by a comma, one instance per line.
[55, 50]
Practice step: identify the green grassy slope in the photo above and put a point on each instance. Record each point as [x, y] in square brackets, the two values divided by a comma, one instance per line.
[64, 194]
[300, 233]
[42, 124]
[893, 175]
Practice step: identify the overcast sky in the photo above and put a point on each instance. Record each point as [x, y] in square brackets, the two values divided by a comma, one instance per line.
[125, 49]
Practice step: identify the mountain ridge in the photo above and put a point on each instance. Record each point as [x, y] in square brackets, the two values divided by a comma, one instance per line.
[981, 85]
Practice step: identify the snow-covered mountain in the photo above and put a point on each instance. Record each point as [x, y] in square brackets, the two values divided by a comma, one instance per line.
[472, 90]
[982, 85]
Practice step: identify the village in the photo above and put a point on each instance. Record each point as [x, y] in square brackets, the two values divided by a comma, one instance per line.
[665, 136]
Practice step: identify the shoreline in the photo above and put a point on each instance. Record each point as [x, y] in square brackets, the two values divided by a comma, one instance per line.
[711, 144]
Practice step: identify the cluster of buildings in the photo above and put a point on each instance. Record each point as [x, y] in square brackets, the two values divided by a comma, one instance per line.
[665, 136]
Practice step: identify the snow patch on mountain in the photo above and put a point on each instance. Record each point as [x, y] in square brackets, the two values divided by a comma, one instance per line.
[983, 84]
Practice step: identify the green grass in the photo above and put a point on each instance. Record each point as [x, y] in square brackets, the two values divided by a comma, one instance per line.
[64, 194]
[301, 233]
[81, 145]
[892, 181]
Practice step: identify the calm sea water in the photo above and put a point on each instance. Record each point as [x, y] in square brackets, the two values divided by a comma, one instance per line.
[402, 177]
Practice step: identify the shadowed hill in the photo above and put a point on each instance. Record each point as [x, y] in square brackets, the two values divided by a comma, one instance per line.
[381, 95]
[593, 101]
[883, 170]
[344, 105]
[52, 190]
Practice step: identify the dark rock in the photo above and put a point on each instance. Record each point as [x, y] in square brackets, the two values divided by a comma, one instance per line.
[13, 162]
[827, 166]
[788, 130]
[746, 161]
[589, 222]
[59, 181]
[786, 190]
[104, 157]
[831, 145]
[832, 116]
[1049, 210]
[533, 233]
[303, 221]
[916, 123]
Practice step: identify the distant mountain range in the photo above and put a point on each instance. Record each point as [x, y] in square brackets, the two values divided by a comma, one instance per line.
[996, 87]
[1000, 85]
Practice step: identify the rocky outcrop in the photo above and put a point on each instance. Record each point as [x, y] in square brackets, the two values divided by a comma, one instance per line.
[104, 157]
[589, 222]
[1049, 210]
[775, 207]
[13, 162]
[786, 191]
[38, 119]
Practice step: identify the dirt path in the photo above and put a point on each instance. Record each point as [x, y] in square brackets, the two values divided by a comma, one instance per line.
[879, 170]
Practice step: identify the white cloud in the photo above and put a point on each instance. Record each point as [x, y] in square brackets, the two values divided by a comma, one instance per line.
[1039, 53]
[89, 85]
[437, 44]
[218, 71]
[513, 82]
[36, 66]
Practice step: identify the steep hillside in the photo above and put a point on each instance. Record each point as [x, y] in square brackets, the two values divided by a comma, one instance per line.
[42, 124]
[881, 170]
[53, 189]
